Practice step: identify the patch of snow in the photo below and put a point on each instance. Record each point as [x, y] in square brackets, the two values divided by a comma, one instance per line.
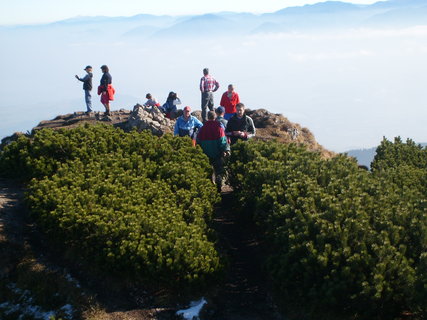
[26, 308]
[68, 310]
[192, 313]
[70, 279]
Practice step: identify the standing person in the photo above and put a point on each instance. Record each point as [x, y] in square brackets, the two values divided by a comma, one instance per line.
[208, 85]
[220, 116]
[187, 125]
[240, 126]
[229, 100]
[212, 139]
[87, 87]
[170, 106]
[106, 89]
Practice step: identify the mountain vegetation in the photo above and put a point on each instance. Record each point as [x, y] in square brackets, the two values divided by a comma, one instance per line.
[339, 237]
[121, 203]
[343, 242]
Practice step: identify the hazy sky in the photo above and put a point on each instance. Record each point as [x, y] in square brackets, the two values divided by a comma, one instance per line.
[31, 11]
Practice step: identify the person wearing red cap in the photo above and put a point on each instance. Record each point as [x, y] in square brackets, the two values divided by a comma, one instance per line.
[187, 125]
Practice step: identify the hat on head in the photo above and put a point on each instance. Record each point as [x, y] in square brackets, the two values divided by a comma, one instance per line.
[88, 67]
[104, 66]
[187, 108]
[220, 110]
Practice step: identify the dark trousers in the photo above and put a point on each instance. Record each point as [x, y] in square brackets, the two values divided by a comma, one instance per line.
[218, 165]
[207, 102]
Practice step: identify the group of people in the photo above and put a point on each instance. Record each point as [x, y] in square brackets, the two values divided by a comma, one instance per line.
[105, 88]
[215, 133]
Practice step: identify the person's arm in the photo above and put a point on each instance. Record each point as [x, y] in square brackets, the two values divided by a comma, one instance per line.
[237, 98]
[223, 102]
[216, 85]
[251, 129]
[197, 123]
[104, 83]
[176, 129]
[202, 83]
[222, 142]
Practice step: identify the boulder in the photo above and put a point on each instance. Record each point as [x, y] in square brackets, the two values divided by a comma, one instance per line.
[152, 119]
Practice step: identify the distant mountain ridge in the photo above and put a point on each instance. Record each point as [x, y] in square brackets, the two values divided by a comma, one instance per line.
[366, 156]
[318, 16]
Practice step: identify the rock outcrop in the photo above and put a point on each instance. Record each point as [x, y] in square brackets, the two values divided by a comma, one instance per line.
[270, 126]
[152, 119]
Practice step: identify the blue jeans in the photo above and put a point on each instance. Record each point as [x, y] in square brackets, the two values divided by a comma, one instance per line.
[88, 99]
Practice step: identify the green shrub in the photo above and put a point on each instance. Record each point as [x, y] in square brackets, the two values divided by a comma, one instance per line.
[125, 203]
[342, 240]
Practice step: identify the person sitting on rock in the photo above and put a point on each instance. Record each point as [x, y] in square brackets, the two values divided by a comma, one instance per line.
[240, 126]
[220, 116]
[187, 125]
[169, 107]
[151, 102]
[229, 101]
[211, 137]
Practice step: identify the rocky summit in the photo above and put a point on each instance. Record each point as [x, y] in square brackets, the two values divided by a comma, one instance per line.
[270, 126]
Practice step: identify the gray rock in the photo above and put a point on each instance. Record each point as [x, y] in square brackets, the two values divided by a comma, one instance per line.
[152, 119]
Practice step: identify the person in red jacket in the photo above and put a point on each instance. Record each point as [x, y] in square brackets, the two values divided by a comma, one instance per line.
[229, 100]
[106, 89]
[211, 137]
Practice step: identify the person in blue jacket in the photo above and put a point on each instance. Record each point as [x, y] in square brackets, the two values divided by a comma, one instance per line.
[187, 125]
[170, 106]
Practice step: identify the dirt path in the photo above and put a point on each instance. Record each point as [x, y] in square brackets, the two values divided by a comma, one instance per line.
[12, 215]
[245, 293]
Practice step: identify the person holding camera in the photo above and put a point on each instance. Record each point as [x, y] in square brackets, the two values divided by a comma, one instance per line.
[87, 87]
[170, 106]
[240, 126]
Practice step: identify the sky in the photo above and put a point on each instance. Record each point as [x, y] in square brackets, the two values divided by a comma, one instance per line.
[42, 11]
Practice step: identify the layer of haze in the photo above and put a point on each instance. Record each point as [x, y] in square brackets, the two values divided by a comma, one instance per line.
[42, 11]
[349, 87]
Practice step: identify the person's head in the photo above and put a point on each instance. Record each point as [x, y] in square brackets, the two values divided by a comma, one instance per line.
[104, 69]
[148, 96]
[186, 112]
[211, 115]
[205, 71]
[240, 109]
[220, 111]
[172, 95]
[230, 88]
[88, 69]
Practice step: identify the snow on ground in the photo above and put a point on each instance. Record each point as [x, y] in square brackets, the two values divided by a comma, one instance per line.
[192, 313]
[24, 306]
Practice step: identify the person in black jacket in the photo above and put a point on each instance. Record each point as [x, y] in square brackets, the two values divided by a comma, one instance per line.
[240, 126]
[104, 88]
[87, 87]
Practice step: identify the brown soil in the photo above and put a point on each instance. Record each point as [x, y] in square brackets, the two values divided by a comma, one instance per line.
[12, 217]
[245, 293]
